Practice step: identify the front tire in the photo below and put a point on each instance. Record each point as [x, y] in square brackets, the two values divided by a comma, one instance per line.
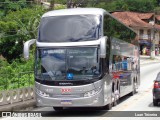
[115, 94]
[155, 102]
[107, 107]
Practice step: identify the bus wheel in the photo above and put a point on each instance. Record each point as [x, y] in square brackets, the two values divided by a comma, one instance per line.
[114, 100]
[116, 97]
[58, 108]
[107, 107]
[155, 102]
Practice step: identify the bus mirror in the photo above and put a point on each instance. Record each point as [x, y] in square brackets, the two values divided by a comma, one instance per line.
[103, 47]
[26, 48]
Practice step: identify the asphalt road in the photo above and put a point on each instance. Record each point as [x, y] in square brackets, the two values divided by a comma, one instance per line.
[140, 103]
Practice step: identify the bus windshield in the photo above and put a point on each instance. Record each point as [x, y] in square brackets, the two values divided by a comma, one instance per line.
[70, 28]
[67, 64]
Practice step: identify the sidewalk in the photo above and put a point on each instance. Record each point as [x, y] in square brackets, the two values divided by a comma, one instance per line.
[146, 59]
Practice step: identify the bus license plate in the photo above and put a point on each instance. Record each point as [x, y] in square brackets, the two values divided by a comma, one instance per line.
[66, 102]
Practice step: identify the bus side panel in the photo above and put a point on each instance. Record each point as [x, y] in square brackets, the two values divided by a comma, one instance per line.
[73, 96]
[125, 64]
[107, 87]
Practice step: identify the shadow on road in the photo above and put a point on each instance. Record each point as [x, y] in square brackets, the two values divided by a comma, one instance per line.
[76, 112]
[151, 105]
[81, 112]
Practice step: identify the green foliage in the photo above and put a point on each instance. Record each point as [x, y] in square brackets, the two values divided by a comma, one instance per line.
[141, 5]
[60, 7]
[157, 10]
[16, 28]
[12, 5]
[121, 5]
[15, 75]
[60, 1]
[129, 5]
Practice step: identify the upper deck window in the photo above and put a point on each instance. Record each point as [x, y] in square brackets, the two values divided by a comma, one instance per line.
[70, 28]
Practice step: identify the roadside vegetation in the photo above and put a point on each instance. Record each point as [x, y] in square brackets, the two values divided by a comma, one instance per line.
[19, 20]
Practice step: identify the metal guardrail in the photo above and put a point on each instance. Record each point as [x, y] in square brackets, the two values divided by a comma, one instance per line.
[16, 95]
[16, 88]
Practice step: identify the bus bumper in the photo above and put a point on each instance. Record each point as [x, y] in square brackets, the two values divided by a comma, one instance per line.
[95, 100]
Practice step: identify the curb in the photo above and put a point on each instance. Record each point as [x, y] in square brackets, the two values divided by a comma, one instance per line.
[19, 106]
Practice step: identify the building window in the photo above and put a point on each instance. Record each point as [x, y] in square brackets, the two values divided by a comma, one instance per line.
[140, 32]
[149, 34]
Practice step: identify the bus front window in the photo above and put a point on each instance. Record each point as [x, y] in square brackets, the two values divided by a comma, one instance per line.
[65, 64]
[70, 28]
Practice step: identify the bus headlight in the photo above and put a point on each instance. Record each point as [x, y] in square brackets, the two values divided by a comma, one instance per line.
[42, 93]
[91, 93]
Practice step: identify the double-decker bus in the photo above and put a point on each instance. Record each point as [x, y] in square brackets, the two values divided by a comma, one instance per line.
[85, 57]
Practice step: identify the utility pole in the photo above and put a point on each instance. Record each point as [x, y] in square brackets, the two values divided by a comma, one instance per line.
[152, 55]
[153, 43]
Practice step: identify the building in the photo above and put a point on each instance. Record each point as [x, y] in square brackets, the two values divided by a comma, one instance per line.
[147, 26]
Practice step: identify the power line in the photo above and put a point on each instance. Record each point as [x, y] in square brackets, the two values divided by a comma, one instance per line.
[4, 36]
[17, 2]
[19, 31]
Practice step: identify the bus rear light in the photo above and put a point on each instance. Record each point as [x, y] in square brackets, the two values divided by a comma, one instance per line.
[156, 85]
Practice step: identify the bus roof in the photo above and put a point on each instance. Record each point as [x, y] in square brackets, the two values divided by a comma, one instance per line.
[75, 11]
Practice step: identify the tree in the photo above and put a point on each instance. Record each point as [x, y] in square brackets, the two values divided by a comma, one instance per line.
[127, 5]
[121, 5]
[141, 5]
[16, 28]
[12, 5]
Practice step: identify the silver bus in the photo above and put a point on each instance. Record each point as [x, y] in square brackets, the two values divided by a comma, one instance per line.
[85, 57]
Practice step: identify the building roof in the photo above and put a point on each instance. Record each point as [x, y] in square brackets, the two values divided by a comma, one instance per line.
[145, 15]
[133, 19]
